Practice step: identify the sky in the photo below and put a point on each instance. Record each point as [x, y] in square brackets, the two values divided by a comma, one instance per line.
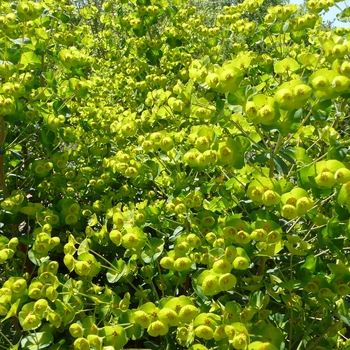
[331, 14]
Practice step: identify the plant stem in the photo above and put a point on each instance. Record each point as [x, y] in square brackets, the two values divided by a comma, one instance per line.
[4, 336]
[291, 305]
[160, 277]
[303, 121]
[272, 166]
[261, 267]
[4, 188]
[42, 82]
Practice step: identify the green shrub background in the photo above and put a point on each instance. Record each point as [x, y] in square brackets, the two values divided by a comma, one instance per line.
[173, 175]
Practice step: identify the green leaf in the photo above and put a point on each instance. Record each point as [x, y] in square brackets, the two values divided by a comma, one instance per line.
[271, 334]
[272, 219]
[176, 233]
[30, 211]
[310, 263]
[93, 220]
[344, 16]
[260, 158]
[260, 86]
[152, 250]
[153, 169]
[30, 59]
[241, 145]
[338, 269]
[294, 251]
[235, 99]
[270, 289]
[338, 153]
[13, 310]
[20, 41]
[342, 195]
[211, 205]
[61, 17]
[271, 249]
[36, 258]
[288, 155]
[47, 139]
[83, 247]
[116, 272]
[148, 344]
[280, 165]
[36, 341]
[65, 311]
[133, 332]
[42, 33]
[57, 345]
[343, 310]
[257, 300]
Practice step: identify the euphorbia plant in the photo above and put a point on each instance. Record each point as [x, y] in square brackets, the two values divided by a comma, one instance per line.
[168, 184]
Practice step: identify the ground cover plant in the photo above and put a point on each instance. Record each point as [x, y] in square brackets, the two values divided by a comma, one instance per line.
[173, 182]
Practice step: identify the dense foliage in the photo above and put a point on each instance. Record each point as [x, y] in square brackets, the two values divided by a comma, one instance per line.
[171, 181]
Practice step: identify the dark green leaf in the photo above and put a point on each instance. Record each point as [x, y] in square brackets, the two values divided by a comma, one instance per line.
[280, 165]
[37, 341]
[152, 250]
